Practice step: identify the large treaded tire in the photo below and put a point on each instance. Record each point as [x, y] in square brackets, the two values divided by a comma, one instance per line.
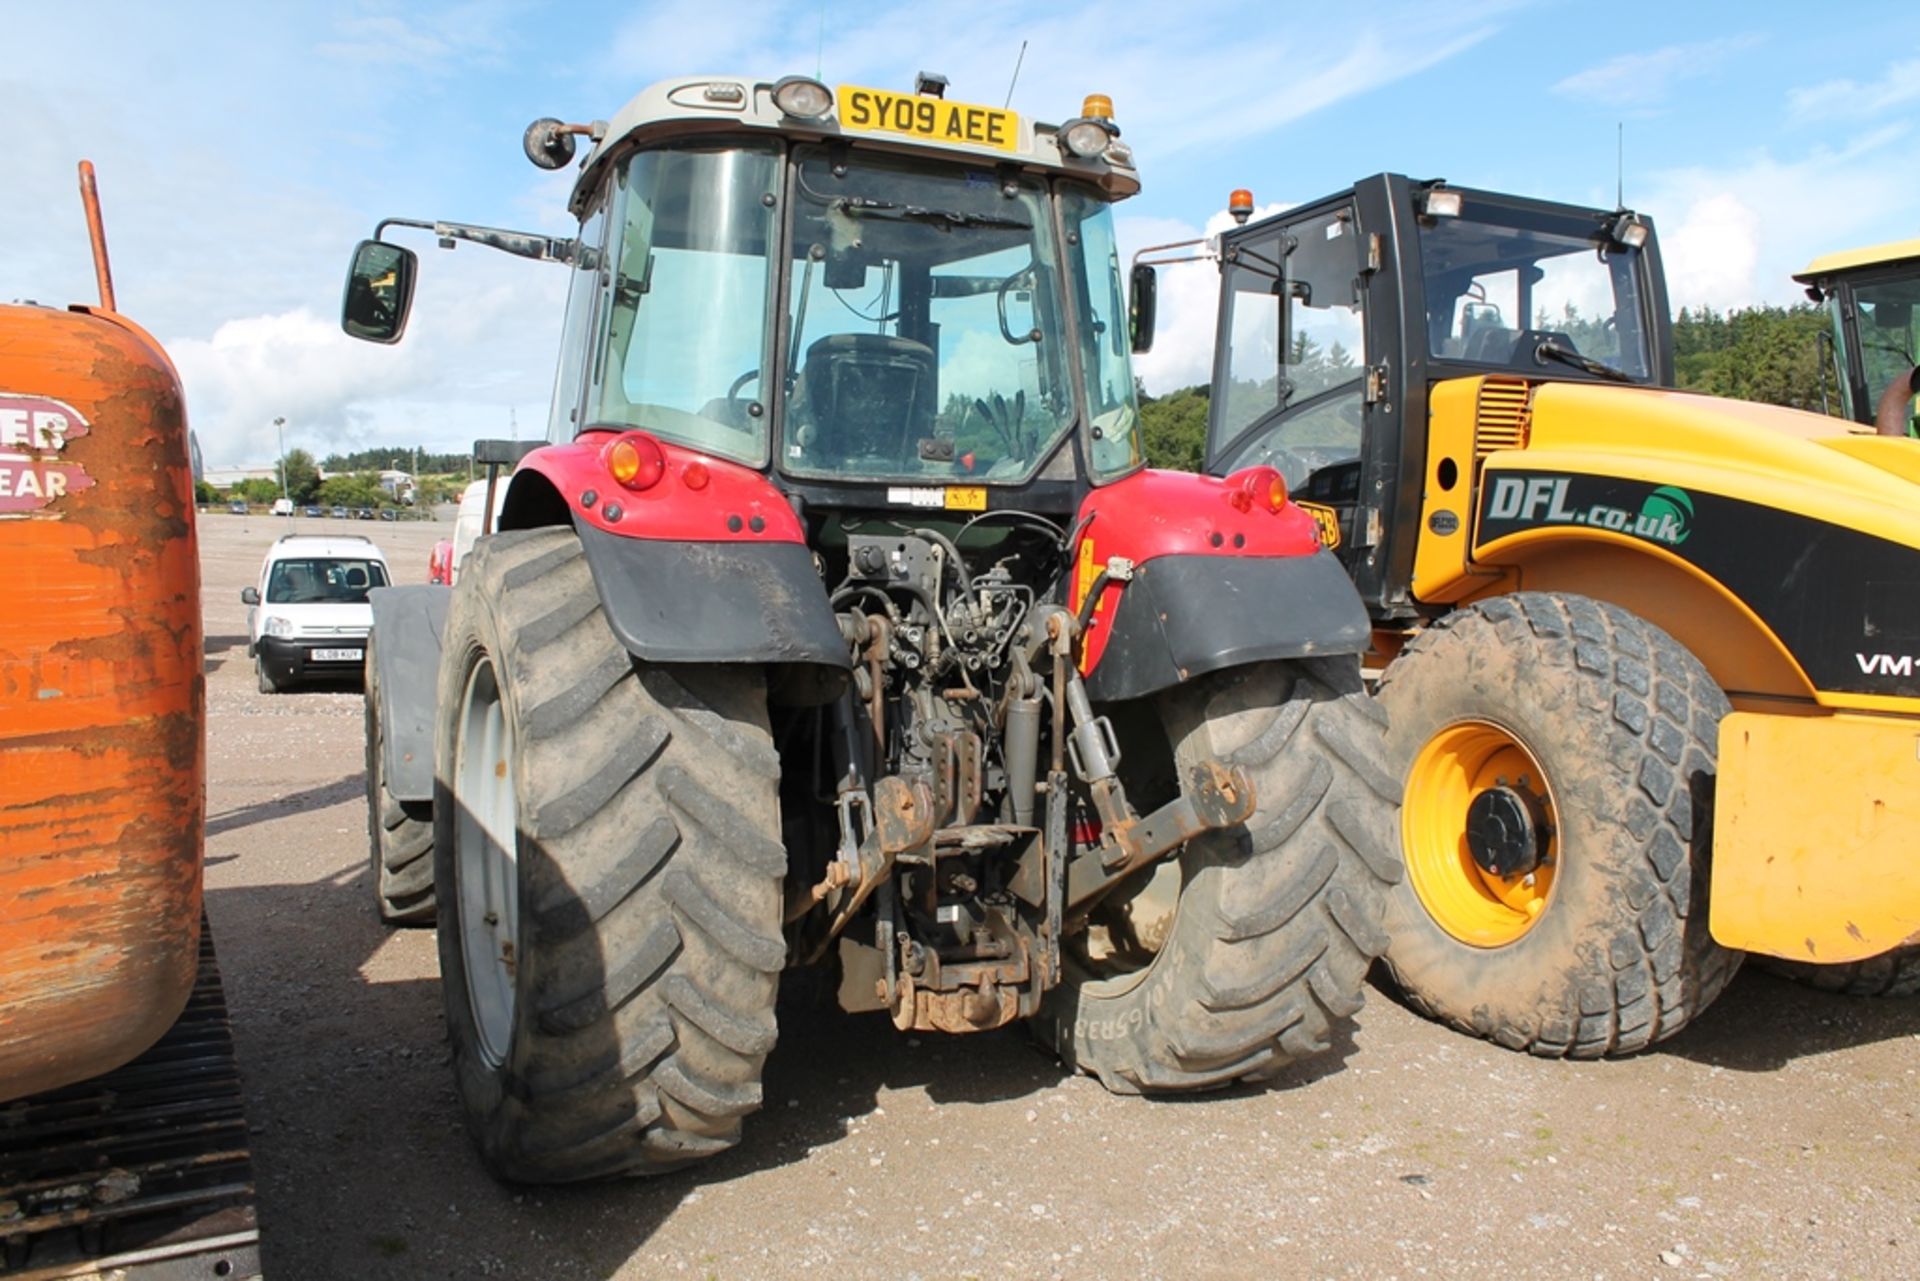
[649, 881]
[1624, 723]
[1278, 920]
[399, 835]
[1892, 974]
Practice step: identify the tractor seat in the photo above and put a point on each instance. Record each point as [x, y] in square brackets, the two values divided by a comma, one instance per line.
[864, 396]
[1492, 345]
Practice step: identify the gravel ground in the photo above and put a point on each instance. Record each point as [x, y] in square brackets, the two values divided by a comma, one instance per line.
[1775, 1138]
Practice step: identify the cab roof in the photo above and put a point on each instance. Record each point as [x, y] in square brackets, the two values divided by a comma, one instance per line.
[1855, 259]
[712, 104]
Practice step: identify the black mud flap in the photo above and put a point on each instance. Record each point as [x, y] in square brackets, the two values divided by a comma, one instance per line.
[408, 622]
[1182, 616]
[741, 602]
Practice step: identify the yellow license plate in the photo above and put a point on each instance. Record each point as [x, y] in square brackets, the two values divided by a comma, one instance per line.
[966, 498]
[934, 119]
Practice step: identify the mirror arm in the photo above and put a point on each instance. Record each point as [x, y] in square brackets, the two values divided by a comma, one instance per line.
[523, 244]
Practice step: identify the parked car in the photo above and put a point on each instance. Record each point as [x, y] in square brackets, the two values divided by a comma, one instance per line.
[388, 513]
[339, 513]
[365, 513]
[283, 507]
[238, 507]
[308, 617]
[314, 511]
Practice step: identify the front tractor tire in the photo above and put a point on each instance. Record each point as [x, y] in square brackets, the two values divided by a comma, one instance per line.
[399, 834]
[1249, 949]
[608, 866]
[1558, 755]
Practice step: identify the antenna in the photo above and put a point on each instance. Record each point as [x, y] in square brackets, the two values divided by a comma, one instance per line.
[820, 49]
[1620, 165]
[1016, 72]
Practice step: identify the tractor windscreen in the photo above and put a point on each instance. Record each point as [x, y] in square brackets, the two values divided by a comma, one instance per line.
[1886, 316]
[1519, 289]
[927, 335]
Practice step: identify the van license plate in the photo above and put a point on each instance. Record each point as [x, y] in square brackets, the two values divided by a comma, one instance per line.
[920, 115]
[338, 655]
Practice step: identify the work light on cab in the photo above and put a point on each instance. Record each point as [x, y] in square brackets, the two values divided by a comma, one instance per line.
[802, 98]
[1089, 134]
[634, 459]
[1628, 231]
[1438, 202]
[1262, 487]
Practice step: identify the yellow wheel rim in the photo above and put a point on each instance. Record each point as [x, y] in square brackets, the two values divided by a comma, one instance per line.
[1472, 904]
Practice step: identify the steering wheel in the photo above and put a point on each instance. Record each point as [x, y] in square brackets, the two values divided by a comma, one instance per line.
[736, 412]
[1000, 302]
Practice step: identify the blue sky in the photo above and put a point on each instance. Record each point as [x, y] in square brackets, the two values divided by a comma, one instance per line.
[243, 149]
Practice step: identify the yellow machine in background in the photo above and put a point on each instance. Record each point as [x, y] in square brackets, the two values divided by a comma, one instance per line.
[1872, 298]
[1652, 659]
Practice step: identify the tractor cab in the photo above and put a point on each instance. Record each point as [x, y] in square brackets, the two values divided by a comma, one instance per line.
[1337, 319]
[1872, 297]
[876, 298]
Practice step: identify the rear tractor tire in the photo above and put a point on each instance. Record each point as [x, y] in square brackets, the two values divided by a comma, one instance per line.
[399, 833]
[608, 866]
[1248, 949]
[1892, 974]
[1558, 756]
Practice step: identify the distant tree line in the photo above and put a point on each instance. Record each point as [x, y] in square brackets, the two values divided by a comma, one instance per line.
[1768, 354]
[398, 457]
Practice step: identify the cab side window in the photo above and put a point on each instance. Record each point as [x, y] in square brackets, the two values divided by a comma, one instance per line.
[1296, 351]
[583, 291]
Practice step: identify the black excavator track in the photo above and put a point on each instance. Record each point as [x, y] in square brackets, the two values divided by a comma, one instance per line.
[142, 1174]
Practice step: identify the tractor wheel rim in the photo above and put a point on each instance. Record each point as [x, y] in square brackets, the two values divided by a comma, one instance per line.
[486, 859]
[1474, 905]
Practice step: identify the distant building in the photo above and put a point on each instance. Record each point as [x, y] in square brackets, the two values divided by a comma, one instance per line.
[228, 477]
[399, 484]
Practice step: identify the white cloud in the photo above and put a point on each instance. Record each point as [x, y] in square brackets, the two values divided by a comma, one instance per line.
[1733, 235]
[1839, 99]
[1646, 79]
[1188, 298]
[481, 343]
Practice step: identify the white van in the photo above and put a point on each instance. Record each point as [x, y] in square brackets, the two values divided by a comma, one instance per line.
[308, 616]
[283, 507]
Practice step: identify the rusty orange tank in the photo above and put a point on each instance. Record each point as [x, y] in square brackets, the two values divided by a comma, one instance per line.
[102, 697]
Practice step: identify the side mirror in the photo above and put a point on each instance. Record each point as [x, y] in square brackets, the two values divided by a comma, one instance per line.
[1141, 306]
[249, 595]
[379, 292]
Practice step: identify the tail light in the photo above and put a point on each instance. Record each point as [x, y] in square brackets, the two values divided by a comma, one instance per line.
[635, 460]
[1258, 487]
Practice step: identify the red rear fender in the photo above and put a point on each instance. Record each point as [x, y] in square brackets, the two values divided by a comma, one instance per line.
[1169, 513]
[695, 498]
